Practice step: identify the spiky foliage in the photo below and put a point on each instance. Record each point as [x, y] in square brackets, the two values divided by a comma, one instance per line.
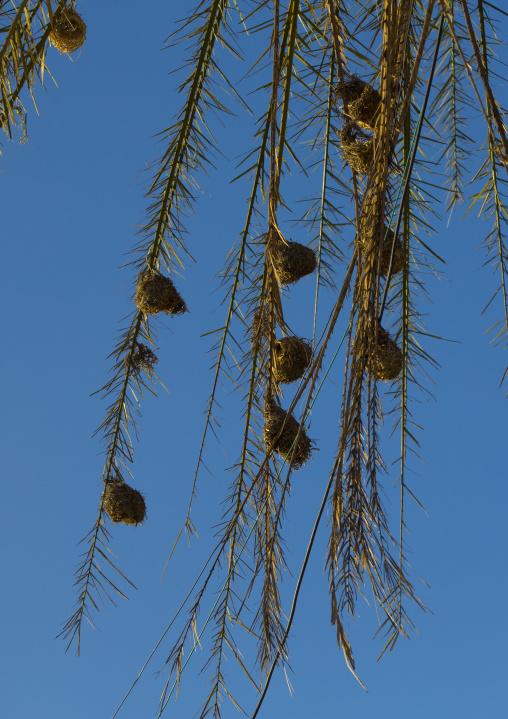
[417, 140]
[25, 29]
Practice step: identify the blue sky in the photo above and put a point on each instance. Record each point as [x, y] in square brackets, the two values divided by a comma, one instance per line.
[72, 200]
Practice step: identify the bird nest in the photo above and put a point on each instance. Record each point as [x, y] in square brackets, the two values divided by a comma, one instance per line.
[361, 100]
[142, 358]
[68, 32]
[156, 293]
[124, 504]
[385, 362]
[279, 433]
[386, 252]
[357, 147]
[293, 261]
[292, 357]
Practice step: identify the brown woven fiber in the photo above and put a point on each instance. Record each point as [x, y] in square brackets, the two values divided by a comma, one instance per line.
[357, 147]
[292, 357]
[294, 261]
[68, 32]
[362, 101]
[143, 358]
[398, 255]
[386, 363]
[277, 419]
[156, 293]
[124, 504]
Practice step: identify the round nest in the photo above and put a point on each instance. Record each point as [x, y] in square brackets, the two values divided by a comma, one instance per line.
[143, 358]
[124, 504]
[277, 419]
[387, 364]
[156, 293]
[398, 255]
[361, 100]
[292, 357]
[293, 261]
[68, 32]
[358, 149]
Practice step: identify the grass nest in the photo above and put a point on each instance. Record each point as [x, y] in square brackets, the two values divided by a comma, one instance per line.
[362, 101]
[277, 419]
[68, 32]
[357, 147]
[124, 504]
[156, 293]
[142, 358]
[293, 261]
[386, 363]
[292, 358]
[398, 254]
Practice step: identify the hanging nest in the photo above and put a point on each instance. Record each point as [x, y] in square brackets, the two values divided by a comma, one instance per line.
[398, 255]
[293, 261]
[386, 363]
[292, 357]
[277, 419]
[124, 504]
[357, 147]
[156, 293]
[142, 358]
[361, 101]
[68, 32]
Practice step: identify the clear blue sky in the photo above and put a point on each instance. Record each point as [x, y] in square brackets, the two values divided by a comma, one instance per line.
[72, 199]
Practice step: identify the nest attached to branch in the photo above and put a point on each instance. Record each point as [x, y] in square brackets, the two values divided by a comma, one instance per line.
[124, 504]
[142, 358]
[362, 101]
[357, 147]
[68, 32]
[293, 261]
[292, 358]
[385, 363]
[277, 419]
[156, 293]
[386, 252]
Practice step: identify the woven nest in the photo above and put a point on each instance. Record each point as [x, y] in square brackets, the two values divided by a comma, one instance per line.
[357, 147]
[124, 504]
[362, 101]
[386, 363]
[292, 357]
[156, 293]
[277, 419]
[68, 32]
[398, 255]
[142, 358]
[293, 261]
